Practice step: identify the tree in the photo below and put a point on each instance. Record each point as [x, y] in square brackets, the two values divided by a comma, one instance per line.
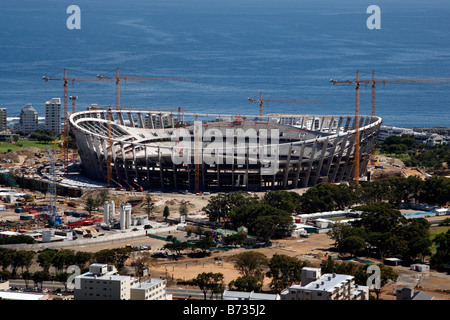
[319, 198]
[251, 264]
[27, 276]
[441, 259]
[166, 213]
[220, 206]
[39, 277]
[246, 283]
[6, 256]
[183, 210]
[261, 219]
[176, 247]
[62, 277]
[45, 258]
[208, 281]
[90, 205]
[102, 196]
[235, 239]
[436, 190]
[352, 244]
[283, 200]
[284, 271]
[63, 258]
[148, 205]
[379, 217]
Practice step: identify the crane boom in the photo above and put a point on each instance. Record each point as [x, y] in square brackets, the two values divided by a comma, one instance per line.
[118, 78]
[357, 81]
[261, 102]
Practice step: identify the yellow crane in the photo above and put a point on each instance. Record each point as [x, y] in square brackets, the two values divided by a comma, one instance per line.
[374, 81]
[261, 102]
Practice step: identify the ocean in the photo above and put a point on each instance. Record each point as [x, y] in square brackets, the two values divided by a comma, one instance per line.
[230, 50]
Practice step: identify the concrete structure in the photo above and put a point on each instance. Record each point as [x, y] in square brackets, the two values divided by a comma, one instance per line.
[329, 286]
[125, 216]
[53, 115]
[242, 295]
[420, 267]
[102, 282]
[144, 154]
[153, 289]
[310, 274]
[14, 295]
[408, 293]
[28, 119]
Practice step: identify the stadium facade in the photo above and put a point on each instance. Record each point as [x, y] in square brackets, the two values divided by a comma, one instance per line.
[157, 149]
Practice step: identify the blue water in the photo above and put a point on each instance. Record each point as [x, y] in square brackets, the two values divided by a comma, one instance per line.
[230, 50]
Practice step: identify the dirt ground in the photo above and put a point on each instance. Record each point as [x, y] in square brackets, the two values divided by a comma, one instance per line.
[313, 250]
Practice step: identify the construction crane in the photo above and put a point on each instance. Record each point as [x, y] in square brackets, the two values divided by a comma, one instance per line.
[197, 156]
[261, 102]
[374, 81]
[118, 79]
[109, 149]
[66, 80]
[54, 219]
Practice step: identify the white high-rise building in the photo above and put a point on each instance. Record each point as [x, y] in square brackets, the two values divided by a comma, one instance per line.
[28, 119]
[53, 115]
[3, 123]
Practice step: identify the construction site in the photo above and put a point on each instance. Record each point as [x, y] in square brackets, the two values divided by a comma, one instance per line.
[175, 154]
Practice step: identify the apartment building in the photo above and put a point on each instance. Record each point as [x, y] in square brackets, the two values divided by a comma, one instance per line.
[28, 119]
[53, 115]
[152, 289]
[103, 282]
[3, 122]
[329, 286]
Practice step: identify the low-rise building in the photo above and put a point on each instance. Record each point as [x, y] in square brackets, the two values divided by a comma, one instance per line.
[152, 289]
[242, 295]
[408, 293]
[103, 282]
[329, 286]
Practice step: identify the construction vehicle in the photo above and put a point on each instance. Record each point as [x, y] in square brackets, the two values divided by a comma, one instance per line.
[129, 188]
[28, 198]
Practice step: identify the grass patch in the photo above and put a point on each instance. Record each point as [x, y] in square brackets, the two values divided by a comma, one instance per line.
[25, 143]
[434, 231]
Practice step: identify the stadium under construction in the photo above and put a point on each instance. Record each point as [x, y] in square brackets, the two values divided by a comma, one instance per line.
[157, 149]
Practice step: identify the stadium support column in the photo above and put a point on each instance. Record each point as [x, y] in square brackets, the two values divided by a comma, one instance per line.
[330, 159]
[299, 165]
[146, 165]
[124, 160]
[287, 166]
[310, 164]
[174, 168]
[322, 156]
[141, 120]
[161, 173]
[130, 117]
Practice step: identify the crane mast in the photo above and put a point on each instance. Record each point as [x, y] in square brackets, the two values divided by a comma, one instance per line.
[373, 81]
